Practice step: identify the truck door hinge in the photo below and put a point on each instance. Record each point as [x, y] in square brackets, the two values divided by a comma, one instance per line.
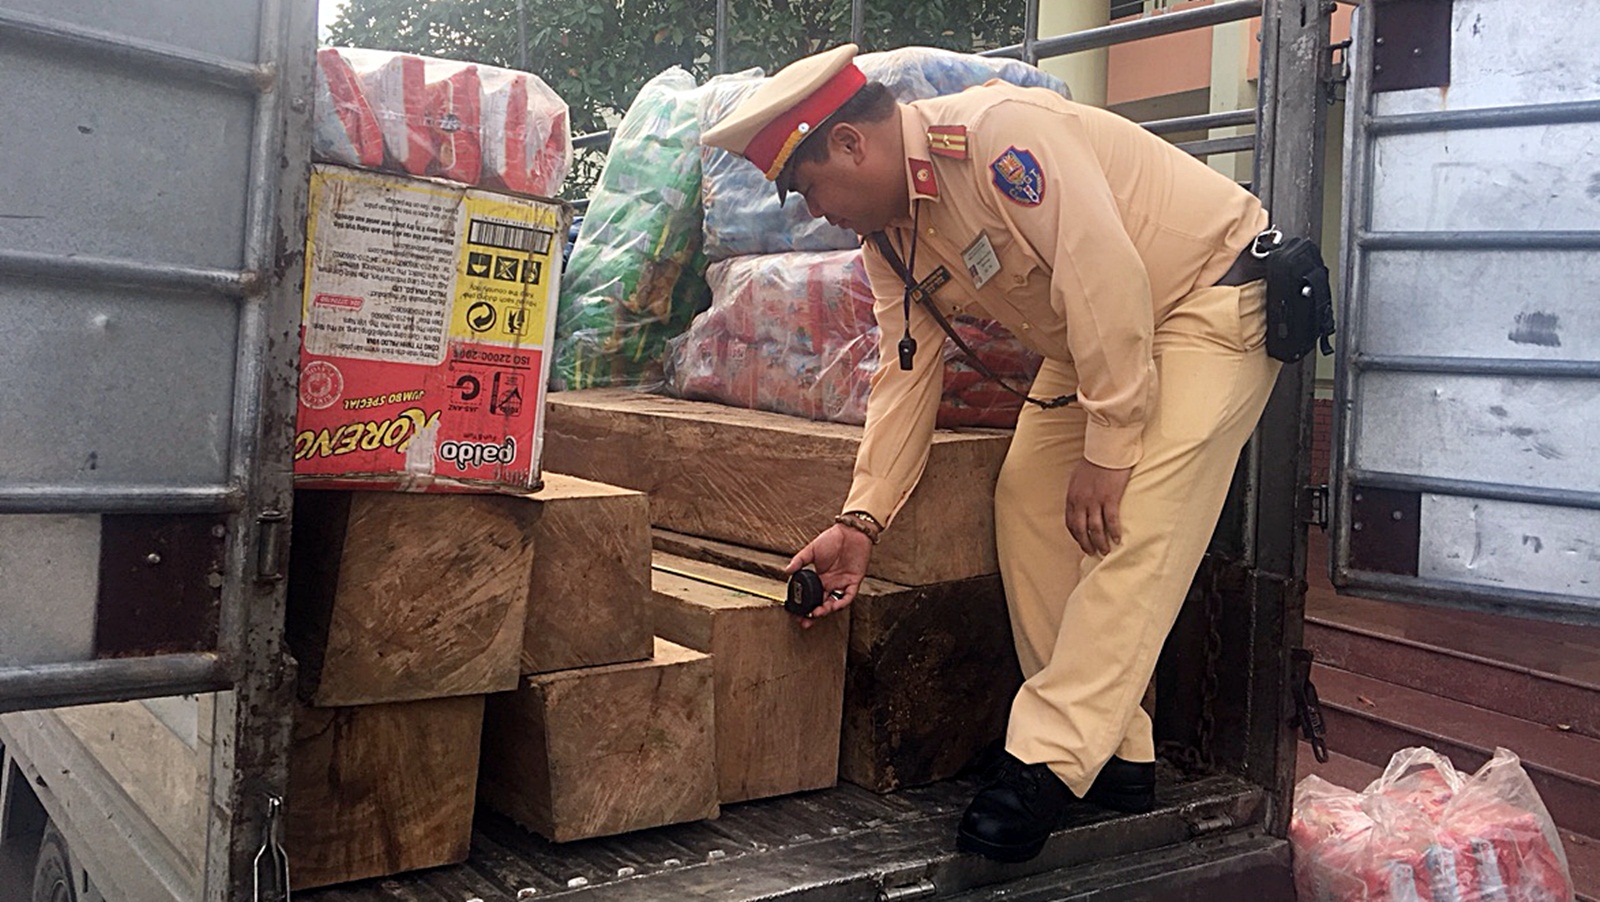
[1316, 505]
[270, 527]
[899, 886]
[1215, 823]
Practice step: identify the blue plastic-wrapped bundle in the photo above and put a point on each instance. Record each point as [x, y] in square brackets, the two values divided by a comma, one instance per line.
[917, 73]
[633, 279]
[742, 215]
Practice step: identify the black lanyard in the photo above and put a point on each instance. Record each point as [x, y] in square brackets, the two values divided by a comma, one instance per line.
[908, 345]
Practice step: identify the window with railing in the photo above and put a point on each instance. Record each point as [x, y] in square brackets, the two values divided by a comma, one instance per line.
[1121, 9]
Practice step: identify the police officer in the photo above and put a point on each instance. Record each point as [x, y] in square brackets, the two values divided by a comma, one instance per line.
[1124, 262]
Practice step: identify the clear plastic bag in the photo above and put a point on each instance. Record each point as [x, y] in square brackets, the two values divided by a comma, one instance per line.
[1425, 832]
[633, 280]
[795, 334]
[415, 115]
[742, 215]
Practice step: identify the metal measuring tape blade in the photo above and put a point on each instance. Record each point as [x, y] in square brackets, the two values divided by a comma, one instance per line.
[805, 592]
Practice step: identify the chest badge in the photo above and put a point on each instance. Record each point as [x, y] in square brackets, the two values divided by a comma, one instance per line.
[982, 262]
[1018, 176]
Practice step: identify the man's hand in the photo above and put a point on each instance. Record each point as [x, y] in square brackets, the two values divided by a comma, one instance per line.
[1094, 507]
[840, 556]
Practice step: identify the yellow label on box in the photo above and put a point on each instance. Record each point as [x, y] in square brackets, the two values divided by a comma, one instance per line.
[504, 275]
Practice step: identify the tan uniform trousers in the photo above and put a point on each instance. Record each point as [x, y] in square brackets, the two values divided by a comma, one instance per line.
[1089, 629]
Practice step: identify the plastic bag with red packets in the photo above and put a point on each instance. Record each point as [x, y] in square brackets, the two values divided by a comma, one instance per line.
[532, 154]
[1425, 832]
[344, 128]
[415, 115]
[454, 101]
[794, 333]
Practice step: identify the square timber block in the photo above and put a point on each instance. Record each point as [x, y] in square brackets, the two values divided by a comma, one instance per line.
[394, 597]
[772, 481]
[377, 790]
[929, 675]
[591, 577]
[779, 688]
[604, 750]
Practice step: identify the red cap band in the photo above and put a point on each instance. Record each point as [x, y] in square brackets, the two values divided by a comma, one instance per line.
[771, 147]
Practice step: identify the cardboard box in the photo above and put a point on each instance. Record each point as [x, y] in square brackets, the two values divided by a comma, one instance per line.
[425, 348]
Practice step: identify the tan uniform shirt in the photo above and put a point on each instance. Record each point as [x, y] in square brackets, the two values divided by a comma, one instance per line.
[1108, 231]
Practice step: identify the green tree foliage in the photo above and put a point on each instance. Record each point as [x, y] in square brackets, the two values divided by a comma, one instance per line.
[597, 53]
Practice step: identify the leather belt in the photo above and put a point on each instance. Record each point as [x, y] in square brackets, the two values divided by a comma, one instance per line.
[1246, 268]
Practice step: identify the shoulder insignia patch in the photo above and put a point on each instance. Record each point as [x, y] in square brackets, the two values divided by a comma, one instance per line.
[1018, 176]
[948, 141]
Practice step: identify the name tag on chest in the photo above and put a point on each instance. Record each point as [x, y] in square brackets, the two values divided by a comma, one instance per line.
[935, 281]
[982, 263]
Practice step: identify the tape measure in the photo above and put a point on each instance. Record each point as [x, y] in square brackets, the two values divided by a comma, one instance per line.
[805, 592]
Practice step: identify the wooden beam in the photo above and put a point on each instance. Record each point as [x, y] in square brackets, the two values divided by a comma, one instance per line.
[929, 676]
[591, 577]
[394, 597]
[779, 688]
[773, 482]
[604, 750]
[381, 789]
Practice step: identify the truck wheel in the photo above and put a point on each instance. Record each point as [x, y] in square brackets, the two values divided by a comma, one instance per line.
[52, 875]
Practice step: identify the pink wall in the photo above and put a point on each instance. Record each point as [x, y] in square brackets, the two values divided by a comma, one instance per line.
[1175, 63]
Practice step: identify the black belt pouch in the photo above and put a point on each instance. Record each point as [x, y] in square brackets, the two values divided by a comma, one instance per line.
[1299, 301]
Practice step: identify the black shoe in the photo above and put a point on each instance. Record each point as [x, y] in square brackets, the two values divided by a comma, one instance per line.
[1011, 817]
[1127, 786]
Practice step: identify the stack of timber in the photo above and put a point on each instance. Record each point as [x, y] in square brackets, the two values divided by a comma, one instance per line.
[772, 482]
[929, 671]
[598, 751]
[586, 600]
[404, 612]
[779, 689]
[376, 790]
[610, 729]
[930, 668]
[401, 597]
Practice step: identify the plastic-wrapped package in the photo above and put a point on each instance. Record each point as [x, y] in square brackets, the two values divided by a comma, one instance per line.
[413, 115]
[917, 73]
[742, 215]
[794, 333]
[533, 153]
[454, 101]
[343, 125]
[633, 279]
[395, 84]
[1425, 831]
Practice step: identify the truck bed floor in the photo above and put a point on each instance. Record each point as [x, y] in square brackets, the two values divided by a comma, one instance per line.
[838, 844]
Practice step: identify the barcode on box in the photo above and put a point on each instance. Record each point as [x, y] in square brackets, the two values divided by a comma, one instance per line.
[509, 236]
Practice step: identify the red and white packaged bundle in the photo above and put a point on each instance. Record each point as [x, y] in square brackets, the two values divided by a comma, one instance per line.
[454, 99]
[344, 128]
[396, 86]
[794, 333]
[1424, 832]
[532, 154]
[414, 115]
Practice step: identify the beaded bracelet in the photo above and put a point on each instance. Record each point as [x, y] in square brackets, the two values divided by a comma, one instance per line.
[862, 522]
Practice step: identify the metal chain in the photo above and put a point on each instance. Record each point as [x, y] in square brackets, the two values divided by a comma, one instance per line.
[1200, 758]
[1211, 678]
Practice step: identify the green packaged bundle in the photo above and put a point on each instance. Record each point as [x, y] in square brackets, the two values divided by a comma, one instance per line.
[634, 277]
